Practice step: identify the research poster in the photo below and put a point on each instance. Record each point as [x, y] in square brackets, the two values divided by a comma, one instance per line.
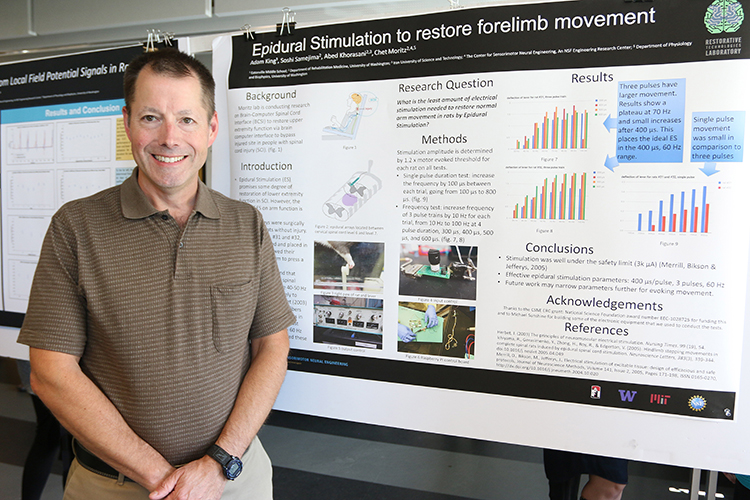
[61, 138]
[545, 202]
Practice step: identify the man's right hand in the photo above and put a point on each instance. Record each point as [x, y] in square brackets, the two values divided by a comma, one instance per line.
[200, 479]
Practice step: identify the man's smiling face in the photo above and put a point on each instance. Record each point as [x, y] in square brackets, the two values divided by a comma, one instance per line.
[170, 131]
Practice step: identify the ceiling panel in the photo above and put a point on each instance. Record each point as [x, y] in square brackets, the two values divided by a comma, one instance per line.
[55, 16]
[15, 21]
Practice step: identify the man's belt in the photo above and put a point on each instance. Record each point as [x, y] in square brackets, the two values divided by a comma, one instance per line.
[91, 462]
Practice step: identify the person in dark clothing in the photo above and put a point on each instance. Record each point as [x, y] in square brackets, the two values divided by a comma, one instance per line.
[50, 441]
[607, 476]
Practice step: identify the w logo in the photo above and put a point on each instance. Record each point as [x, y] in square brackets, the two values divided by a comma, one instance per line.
[628, 396]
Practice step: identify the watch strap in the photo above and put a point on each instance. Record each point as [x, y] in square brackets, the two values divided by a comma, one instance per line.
[219, 454]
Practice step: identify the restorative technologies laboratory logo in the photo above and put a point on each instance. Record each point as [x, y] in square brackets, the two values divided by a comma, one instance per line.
[724, 17]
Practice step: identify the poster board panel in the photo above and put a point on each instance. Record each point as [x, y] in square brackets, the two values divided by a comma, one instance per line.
[61, 138]
[573, 169]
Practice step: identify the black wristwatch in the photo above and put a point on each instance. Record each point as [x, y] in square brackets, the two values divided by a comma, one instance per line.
[232, 466]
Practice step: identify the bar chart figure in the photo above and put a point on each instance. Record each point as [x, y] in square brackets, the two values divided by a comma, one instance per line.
[558, 198]
[684, 213]
[566, 130]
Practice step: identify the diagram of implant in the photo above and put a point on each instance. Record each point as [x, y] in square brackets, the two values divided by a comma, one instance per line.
[350, 197]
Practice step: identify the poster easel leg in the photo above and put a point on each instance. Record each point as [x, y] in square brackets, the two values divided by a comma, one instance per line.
[695, 484]
[713, 477]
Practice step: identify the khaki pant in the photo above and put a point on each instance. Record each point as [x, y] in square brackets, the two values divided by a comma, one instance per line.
[254, 482]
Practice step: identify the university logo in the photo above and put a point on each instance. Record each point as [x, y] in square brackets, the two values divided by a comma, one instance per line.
[596, 392]
[660, 399]
[724, 16]
[628, 396]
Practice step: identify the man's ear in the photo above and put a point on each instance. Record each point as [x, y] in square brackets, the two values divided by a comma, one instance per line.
[213, 127]
[126, 120]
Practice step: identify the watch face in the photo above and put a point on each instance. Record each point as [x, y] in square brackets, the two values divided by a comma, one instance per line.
[233, 468]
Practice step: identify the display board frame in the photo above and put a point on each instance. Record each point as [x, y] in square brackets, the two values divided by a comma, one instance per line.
[356, 386]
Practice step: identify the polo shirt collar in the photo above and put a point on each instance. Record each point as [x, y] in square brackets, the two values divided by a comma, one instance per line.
[135, 204]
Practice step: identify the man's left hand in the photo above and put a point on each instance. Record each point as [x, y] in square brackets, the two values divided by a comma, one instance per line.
[201, 479]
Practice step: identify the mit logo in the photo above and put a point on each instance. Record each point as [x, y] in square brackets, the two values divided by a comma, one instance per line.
[660, 399]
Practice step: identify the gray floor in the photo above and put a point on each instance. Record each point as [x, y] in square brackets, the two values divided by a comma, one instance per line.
[435, 471]
[380, 458]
